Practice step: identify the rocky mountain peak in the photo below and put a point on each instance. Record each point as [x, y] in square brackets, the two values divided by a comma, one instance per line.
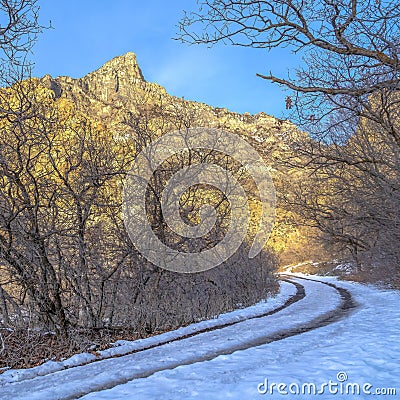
[124, 66]
[116, 78]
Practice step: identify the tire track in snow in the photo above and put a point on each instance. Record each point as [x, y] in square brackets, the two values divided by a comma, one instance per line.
[299, 295]
[90, 384]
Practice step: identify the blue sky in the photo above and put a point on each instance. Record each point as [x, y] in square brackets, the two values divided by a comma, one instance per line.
[87, 33]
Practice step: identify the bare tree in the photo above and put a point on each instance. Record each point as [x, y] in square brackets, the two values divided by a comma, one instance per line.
[56, 179]
[18, 33]
[163, 299]
[345, 94]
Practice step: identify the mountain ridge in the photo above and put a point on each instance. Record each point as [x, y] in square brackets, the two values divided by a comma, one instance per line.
[116, 90]
[118, 78]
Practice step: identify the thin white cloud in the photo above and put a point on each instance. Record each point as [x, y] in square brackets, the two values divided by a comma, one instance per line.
[187, 70]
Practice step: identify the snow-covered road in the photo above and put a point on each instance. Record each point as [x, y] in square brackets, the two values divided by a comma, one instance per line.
[365, 346]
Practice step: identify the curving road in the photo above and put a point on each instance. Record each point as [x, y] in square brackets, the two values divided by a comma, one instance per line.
[282, 322]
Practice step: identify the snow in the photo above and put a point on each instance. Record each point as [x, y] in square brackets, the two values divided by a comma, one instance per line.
[124, 347]
[345, 268]
[364, 346]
